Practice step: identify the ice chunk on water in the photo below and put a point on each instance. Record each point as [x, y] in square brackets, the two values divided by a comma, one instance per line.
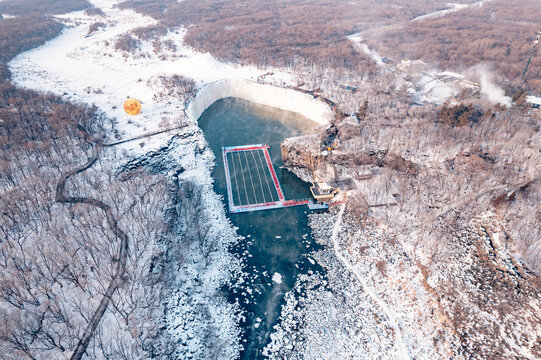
[277, 278]
[257, 322]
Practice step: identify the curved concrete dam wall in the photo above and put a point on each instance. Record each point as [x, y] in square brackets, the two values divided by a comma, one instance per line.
[285, 99]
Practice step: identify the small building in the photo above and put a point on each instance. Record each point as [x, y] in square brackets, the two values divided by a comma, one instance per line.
[322, 191]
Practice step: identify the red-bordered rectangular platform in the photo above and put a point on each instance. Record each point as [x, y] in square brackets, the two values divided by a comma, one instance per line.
[252, 183]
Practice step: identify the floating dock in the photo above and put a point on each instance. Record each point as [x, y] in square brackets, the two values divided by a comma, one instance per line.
[252, 183]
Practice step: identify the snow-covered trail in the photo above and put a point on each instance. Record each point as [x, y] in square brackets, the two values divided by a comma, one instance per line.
[120, 267]
[400, 344]
[374, 31]
[378, 59]
[357, 39]
[452, 8]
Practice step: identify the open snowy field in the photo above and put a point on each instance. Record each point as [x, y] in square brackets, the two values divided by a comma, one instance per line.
[86, 68]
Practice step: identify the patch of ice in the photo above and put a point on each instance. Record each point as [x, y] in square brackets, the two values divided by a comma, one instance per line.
[257, 322]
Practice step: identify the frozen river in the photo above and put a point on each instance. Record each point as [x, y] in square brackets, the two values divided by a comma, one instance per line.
[277, 243]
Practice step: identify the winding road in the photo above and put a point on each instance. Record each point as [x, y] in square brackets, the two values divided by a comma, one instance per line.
[63, 198]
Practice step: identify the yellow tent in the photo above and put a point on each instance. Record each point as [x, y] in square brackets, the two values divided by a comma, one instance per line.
[132, 106]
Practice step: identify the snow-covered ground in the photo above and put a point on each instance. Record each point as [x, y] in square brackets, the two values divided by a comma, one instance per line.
[86, 68]
[429, 85]
[433, 87]
[437, 87]
[197, 314]
[360, 310]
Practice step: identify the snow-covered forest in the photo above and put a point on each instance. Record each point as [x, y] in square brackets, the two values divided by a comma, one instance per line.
[122, 250]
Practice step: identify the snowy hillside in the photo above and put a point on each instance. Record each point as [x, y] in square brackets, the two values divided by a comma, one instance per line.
[439, 172]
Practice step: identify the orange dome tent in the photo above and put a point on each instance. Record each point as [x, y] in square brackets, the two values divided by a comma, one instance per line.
[132, 106]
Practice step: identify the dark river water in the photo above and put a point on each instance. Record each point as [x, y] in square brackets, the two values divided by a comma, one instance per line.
[277, 242]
